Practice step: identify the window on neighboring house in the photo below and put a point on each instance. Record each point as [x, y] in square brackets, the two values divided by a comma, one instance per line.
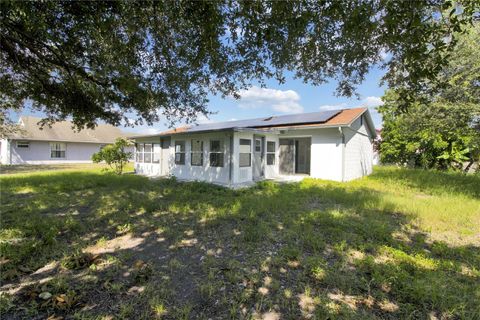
[270, 153]
[57, 150]
[139, 147]
[23, 144]
[147, 153]
[197, 153]
[216, 153]
[245, 153]
[156, 153]
[179, 152]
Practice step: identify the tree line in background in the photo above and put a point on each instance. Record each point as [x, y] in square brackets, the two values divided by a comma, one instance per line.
[441, 128]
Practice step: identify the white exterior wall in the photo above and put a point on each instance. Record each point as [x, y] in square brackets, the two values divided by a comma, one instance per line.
[5, 151]
[358, 151]
[326, 151]
[222, 175]
[148, 169]
[39, 153]
[187, 171]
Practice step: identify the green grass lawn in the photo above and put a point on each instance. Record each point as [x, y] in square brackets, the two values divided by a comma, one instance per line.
[28, 168]
[88, 244]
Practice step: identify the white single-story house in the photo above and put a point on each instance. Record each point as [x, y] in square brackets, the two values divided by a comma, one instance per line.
[58, 143]
[334, 145]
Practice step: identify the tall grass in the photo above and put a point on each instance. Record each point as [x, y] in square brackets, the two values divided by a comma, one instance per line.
[397, 244]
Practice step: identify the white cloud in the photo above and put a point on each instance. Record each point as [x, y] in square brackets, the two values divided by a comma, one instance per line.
[203, 119]
[371, 102]
[327, 107]
[152, 131]
[287, 101]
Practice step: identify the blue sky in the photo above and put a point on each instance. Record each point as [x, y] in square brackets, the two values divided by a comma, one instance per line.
[293, 96]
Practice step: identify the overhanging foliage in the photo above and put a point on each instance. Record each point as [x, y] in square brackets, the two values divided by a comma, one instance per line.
[100, 60]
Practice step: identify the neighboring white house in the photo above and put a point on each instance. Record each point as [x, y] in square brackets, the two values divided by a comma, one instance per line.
[59, 143]
[334, 145]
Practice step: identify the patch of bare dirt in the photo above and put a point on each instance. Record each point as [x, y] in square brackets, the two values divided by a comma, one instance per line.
[120, 243]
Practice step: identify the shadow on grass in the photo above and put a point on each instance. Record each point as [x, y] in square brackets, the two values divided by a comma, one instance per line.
[193, 250]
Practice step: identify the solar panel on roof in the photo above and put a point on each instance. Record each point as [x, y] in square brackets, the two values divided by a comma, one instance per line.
[301, 118]
[313, 117]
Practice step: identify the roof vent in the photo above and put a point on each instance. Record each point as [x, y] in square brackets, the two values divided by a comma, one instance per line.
[268, 119]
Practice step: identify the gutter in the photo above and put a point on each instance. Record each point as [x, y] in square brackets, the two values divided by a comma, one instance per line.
[66, 141]
[241, 129]
[235, 129]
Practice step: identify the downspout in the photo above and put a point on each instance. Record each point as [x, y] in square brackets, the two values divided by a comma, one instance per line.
[230, 169]
[343, 153]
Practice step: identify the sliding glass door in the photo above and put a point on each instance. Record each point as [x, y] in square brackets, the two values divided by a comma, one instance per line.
[295, 154]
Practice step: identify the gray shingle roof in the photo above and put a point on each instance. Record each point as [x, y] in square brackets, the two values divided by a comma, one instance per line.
[63, 131]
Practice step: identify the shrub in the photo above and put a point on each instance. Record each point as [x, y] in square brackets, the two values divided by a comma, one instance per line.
[114, 155]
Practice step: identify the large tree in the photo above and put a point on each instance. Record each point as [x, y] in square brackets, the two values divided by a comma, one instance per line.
[442, 127]
[101, 60]
[438, 135]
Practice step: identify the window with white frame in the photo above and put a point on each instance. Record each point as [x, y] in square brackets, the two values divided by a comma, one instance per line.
[270, 153]
[179, 152]
[197, 153]
[139, 152]
[216, 153]
[147, 153]
[258, 145]
[245, 154]
[58, 150]
[23, 144]
[156, 153]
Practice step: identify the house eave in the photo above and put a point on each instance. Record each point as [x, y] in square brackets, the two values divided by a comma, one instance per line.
[371, 125]
[254, 130]
[59, 140]
[199, 132]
